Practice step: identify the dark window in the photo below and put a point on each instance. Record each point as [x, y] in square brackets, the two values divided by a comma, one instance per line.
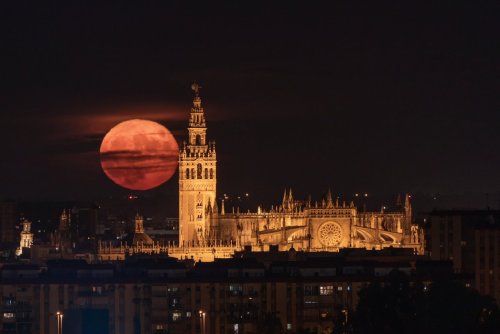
[311, 290]
[206, 173]
[187, 173]
[198, 140]
[211, 173]
[199, 171]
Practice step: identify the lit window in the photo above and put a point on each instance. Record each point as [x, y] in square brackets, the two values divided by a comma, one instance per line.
[176, 316]
[289, 326]
[326, 290]
[339, 288]
[235, 289]
[188, 314]
[8, 301]
[97, 290]
[8, 315]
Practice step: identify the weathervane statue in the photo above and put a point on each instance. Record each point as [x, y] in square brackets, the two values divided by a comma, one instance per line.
[196, 88]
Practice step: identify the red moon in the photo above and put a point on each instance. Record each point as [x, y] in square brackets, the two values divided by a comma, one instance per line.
[139, 154]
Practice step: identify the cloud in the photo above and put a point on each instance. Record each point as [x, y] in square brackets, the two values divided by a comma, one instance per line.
[149, 168]
[140, 155]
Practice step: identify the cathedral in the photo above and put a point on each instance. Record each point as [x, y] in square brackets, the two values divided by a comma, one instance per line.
[207, 231]
[301, 224]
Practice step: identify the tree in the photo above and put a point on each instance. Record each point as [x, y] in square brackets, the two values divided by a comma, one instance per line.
[446, 306]
[269, 323]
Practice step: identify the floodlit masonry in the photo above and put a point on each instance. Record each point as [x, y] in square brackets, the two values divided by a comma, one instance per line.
[207, 231]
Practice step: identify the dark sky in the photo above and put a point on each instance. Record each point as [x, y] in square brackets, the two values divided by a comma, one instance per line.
[385, 98]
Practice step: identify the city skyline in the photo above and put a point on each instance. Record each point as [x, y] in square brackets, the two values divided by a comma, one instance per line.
[342, 98]
[249, 167]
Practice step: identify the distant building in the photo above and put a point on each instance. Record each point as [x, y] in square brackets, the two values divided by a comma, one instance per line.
[26, 237]
[62, 238]
[471, 239]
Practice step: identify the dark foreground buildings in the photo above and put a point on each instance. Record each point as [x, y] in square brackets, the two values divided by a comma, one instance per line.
[471, 240]
[291, 290]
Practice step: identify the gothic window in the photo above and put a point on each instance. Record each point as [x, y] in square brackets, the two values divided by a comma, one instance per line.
[211, 173]
[199, 169]
[187, 173]
[330, 234]
[192, 173]
[206, 173]
[198, 140]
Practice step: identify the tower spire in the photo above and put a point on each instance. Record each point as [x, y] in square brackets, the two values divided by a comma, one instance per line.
[197, 115]
[26, 239]
[140, 237]
[407, 201]
[407, 219]
[197, 175]
[64, 221]
[139, 223]
[329, 201]
[215, 207]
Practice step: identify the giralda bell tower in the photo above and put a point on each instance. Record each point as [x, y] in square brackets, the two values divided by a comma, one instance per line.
[197, 176]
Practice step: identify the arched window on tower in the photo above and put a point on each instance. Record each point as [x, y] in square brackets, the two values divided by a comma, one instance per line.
[211, 173]
[206, 173]
[199, 171]
[198, 140]
[192, 173]
[187, 173]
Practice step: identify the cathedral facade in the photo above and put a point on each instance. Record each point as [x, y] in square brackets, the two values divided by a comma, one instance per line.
[301, 224]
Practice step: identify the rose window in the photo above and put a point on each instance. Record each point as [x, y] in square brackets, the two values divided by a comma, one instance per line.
[330, 234]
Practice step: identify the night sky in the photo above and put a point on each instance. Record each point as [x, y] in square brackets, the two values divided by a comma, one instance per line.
[381, 99]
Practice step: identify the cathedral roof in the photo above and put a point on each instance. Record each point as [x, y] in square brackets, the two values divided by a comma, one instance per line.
[141, 238]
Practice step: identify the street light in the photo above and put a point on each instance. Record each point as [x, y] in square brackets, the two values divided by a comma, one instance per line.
[345, 312]
[202, 321]
[59, 316]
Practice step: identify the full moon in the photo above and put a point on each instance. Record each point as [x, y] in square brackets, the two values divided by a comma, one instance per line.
[139, 154]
